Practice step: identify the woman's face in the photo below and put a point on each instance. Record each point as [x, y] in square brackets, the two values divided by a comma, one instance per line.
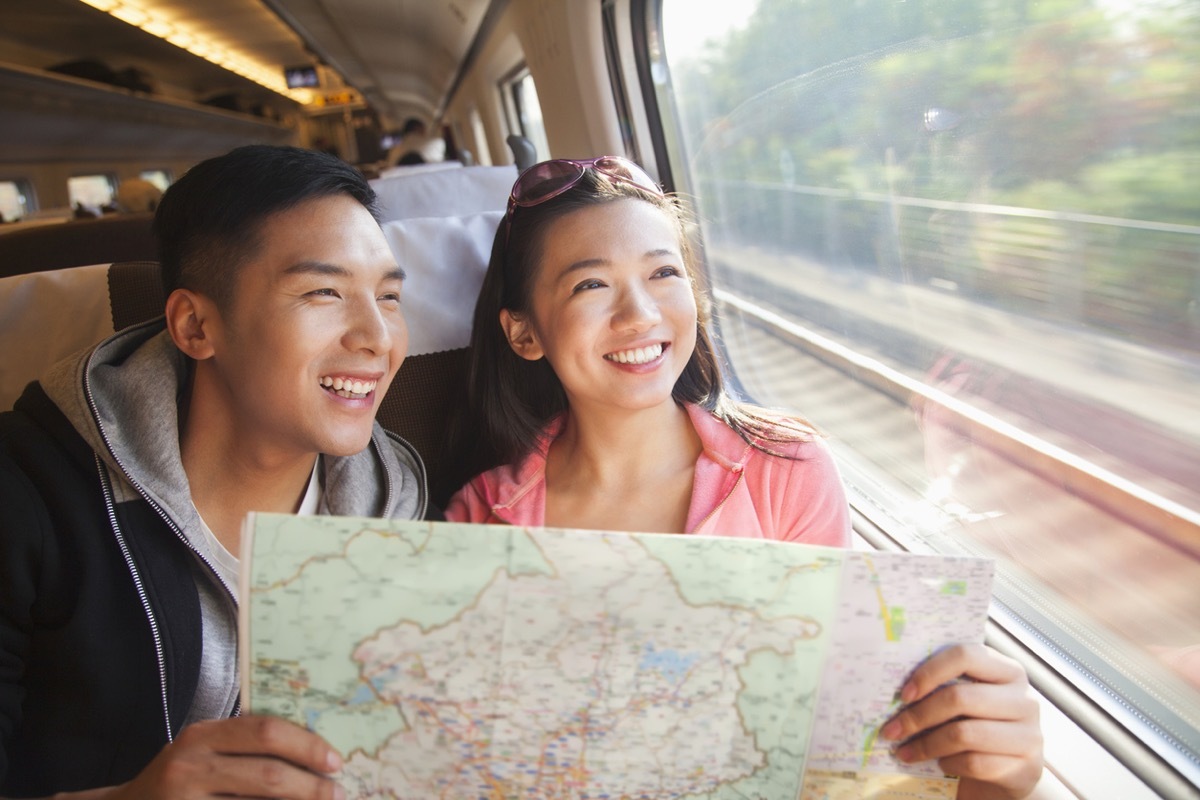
[612, 307]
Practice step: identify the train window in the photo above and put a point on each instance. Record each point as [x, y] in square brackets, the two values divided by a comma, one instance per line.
[525, 112]
[92, 192]
[962, 238]
[483, 154]
[161, 178]
[14, 203]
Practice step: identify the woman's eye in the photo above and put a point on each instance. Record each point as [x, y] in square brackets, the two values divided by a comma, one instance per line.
[667, 272]
[588, 284]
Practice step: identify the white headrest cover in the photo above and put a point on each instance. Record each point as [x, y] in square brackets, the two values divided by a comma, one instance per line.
[445, 193]
[445, 259]
[46, 316]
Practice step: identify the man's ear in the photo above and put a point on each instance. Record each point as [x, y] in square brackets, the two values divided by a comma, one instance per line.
[521, 336]
[190, 321]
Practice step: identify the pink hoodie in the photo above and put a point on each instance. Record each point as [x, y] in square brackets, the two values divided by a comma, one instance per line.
[737, 490]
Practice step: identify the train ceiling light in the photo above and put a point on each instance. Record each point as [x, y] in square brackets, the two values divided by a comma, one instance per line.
[145, 15]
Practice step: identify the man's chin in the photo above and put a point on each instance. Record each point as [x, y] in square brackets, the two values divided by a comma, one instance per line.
[347, 446]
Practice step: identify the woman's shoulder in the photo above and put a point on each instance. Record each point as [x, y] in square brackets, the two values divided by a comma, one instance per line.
[769, 431]
[500, 486]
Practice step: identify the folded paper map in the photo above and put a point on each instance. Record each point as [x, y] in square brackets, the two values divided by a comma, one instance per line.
[476, 661]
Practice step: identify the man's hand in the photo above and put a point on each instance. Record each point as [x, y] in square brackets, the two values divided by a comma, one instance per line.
[973, 710]
[239, 757]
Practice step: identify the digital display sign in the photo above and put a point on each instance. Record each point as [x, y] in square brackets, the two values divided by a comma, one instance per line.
[301, 77]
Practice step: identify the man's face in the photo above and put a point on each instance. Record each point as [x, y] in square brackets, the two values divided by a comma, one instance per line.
[308, 345]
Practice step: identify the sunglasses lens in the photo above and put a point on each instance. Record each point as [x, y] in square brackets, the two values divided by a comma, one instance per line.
[627, 171]
[543, 181]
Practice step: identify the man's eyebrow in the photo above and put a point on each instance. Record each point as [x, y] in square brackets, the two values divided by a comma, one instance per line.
[316, 268]
[333, 270]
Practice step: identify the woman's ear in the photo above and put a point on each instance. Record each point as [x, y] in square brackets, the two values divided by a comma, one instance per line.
[521, 336]
[190, 317]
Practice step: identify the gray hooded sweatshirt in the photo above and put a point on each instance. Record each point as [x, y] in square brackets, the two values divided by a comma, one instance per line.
[123, 399]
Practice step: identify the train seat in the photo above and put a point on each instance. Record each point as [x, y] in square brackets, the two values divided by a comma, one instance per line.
[400, 170]
[445, 192]
[114, 237]
[47, 315]
[444, 259]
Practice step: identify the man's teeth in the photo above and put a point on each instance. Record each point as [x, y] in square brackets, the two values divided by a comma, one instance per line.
[344, 387]
[639, 355]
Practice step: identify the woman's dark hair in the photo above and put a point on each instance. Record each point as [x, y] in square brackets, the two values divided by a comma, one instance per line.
[208, 222]
[510, 399]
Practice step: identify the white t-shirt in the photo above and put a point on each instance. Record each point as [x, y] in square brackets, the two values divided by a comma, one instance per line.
[217, 690]
[226, 563]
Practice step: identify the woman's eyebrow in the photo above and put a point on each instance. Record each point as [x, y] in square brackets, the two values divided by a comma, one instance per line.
[662, 251]
[587, 263]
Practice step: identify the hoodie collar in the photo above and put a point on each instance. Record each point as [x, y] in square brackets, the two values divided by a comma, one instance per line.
[123, 398]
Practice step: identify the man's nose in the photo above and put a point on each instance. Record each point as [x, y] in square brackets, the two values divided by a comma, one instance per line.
[369, 329]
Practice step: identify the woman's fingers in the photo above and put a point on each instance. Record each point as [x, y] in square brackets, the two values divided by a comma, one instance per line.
[973, 710]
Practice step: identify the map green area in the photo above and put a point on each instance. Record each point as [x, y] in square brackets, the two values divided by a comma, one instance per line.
[471, 661]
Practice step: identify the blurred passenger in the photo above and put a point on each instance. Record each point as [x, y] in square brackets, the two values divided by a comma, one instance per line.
[126, 473]
[416, 146]
[596, 401]
[137, 195]
[80, 211]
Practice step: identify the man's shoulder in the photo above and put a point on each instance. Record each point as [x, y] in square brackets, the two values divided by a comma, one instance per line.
[37, 428]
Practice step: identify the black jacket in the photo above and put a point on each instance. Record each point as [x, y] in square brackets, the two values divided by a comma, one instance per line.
[81, 700]
[101, 619]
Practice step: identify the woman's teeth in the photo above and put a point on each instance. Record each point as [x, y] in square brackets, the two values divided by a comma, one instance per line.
[638, 355]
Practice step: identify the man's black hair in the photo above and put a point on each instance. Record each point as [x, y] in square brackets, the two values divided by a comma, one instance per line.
[208, 222]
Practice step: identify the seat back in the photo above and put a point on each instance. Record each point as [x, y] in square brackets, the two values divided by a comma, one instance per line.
[46, 316]
[524, 153]
[444, 192]
[116, 237]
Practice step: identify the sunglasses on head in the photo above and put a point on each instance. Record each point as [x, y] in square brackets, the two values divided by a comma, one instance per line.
[549, 179]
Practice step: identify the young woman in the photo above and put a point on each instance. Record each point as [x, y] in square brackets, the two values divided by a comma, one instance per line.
[596, 401]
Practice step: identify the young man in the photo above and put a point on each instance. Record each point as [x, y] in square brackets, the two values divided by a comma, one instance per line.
[126, 472]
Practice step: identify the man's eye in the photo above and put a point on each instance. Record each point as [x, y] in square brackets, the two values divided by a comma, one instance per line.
[390, 297]
[324, 292]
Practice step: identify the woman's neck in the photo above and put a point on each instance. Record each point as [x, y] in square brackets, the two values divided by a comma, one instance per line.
[623, 471]
[611, 445]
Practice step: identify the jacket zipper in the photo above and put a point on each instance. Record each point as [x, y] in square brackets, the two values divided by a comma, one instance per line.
[110, 505]
[740, 472]
[391, 479]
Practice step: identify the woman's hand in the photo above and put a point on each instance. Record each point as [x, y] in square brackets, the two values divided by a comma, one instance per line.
[973, 710]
